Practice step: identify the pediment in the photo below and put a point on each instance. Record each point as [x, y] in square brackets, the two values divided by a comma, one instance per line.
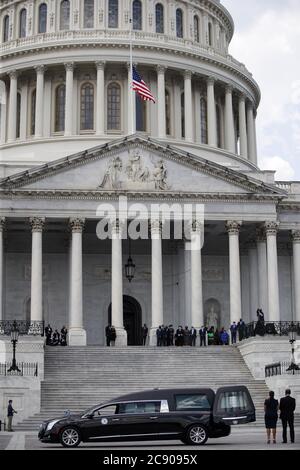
[136, 164]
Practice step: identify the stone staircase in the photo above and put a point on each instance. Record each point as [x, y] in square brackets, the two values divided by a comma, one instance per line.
[79, 378]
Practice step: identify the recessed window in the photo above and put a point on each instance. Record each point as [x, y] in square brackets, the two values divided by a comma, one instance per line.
[218, 116]
[196, 29]
[168, 112]
[141, 114]
[65, 15]
[60, 105]
[18, 115]
[203, 116]
[179, 23]
[23, 21]
[159, 18]
[32, 113]
[88, 13]
[42, 18]
[137, 15]
[113, 13]
[6, 28]
[113, 107]
[87, 107]
[210, 34]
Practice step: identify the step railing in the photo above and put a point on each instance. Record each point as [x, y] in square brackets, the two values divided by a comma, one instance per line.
[263, 328]
[23, 369]
[282, 368]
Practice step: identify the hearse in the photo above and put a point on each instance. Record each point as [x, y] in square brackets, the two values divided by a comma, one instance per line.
[189, 415]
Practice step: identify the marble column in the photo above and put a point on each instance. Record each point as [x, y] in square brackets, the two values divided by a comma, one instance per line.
[188, 106]
[262, 264]
[233, 229]
[211, 113]
[100, 105]
[69, 99]
[77, 333]
[12, 111]
[2, 226]
[37, 227]
[243, 127]
[161, 102]
[296, 267]
[117, 319]
[229, 121]
[157, 279]
[131, 114]
[39, 107]
[4, 113]
[196, 276]
[252, 151]
[273, 284]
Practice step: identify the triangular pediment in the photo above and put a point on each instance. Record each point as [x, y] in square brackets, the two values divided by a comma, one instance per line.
[136, 164]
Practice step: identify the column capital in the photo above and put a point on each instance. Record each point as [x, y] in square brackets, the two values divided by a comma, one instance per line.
[77, 225]
[228, 88]
[210, 81]
[40, 69]
[242, 98]
[13, 75]
[233, 227]
[100, 65]
[69, 66]
[250, 105]
[271, 228]
[37, 224]
[161, 69]
[2, 224]
[188, 74]
[155, 227]
[295, 235]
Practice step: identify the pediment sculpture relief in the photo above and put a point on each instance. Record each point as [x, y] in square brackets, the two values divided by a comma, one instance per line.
[135, 175]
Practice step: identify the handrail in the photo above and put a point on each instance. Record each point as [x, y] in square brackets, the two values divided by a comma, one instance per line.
[24, 369]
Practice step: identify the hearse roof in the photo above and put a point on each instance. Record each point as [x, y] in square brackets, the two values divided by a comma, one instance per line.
[163, 394]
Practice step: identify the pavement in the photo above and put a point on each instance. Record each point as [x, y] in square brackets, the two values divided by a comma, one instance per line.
[241, 438]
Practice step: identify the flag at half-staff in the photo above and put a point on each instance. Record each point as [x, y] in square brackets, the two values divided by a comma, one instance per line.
[140, 87]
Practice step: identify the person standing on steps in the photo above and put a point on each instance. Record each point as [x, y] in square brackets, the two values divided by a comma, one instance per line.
[48, 333]
[202, 333]
[233, 330]
[107, 334]
[271, 417]
[10, 415]
[144, 334]
[113, 336]
[193, 336]
[287, 408]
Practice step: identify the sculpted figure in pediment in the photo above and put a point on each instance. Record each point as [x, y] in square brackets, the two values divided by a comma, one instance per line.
[112, 175]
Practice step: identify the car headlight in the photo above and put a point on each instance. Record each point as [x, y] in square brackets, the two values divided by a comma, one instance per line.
[51, 424]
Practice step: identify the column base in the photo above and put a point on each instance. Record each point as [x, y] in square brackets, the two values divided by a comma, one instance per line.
[77, 337]
[121, 339]
[153, 337]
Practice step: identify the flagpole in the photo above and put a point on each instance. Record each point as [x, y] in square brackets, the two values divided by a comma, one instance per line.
[131, 68]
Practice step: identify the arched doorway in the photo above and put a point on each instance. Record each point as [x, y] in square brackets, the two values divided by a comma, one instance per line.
[132, 314]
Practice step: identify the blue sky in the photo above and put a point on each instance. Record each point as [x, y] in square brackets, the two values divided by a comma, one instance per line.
[267, 41]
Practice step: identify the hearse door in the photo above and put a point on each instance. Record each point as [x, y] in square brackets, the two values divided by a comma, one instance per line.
[234, 405]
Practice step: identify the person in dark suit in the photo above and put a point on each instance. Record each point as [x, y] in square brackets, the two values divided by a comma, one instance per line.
[271, 416]
[193, 336]
[63, 338]
[287, 408]
[233, 330]
[144, 334]
[48, 333]
[179, 336]
[171, 336]
[202, 333]
[56, 338]
[113, 336]
[107, 334]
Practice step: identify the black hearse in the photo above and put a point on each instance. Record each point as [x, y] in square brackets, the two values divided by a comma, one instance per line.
[189, 415]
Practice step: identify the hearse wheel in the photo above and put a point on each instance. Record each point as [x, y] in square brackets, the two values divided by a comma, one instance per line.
[70, 437]
[196, 435]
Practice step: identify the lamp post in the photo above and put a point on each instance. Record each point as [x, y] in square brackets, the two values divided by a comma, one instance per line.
[14, 336]
[292, 340]
[129, 266]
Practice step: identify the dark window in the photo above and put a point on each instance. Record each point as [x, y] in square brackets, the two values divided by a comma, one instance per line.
[159, 18]
[23, 20]
[203, 115]
[6, 28]
[182, 116]
[218, 116]
[43, 18]
[33, 104]
[65, 15]
[18, 114]
[114, 107]
[140, 114]
[88, 21]
[210, 40]
[113, 13]
[196, 29]
[179, 23]
[233, 401]
[139, 407]
[60, 103]
[168, 112]
[195, 402]
[137, 15]
[87, 107]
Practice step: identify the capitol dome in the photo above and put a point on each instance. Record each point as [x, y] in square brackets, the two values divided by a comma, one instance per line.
[65, 79]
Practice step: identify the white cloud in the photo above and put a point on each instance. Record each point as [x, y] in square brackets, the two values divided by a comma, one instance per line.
[267, 40]
[284, 170]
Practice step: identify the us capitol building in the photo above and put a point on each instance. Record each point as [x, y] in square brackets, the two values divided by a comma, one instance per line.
[73, 138]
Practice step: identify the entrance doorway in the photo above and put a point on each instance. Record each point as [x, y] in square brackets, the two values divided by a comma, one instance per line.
[132, 314]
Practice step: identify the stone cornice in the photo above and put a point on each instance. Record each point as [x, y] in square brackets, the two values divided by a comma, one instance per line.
[257, 189]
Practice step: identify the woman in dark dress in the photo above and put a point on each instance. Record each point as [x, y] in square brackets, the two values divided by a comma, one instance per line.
[271, 417]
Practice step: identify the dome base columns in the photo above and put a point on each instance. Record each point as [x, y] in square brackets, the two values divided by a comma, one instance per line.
[252, 150]
[243, 127]
[100, 121]
[188, 106]
[39, 107]
[211, 113]
[161, 102]
[69, 99]
[12, 114]
[229, 122]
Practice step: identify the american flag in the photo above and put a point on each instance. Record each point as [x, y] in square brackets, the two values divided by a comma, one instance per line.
[140, 87]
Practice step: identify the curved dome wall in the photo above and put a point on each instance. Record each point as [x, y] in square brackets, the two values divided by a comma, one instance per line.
[64, 71]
